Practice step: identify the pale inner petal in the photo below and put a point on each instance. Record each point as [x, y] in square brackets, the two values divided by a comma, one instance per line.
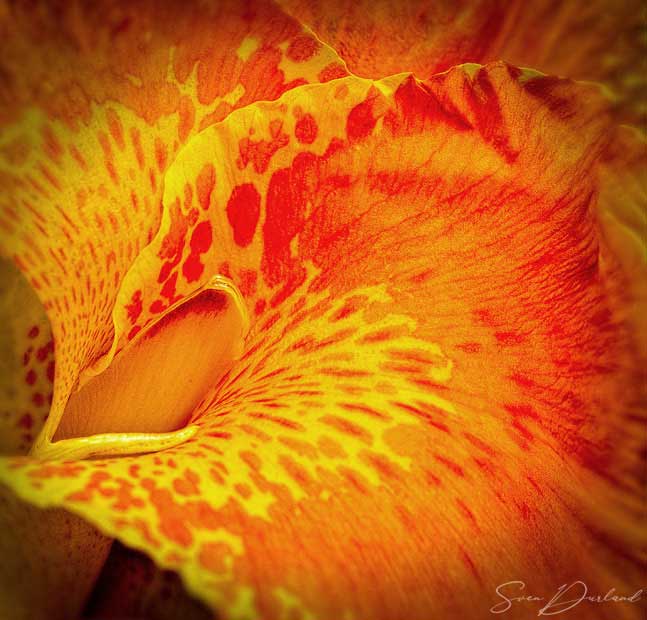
[155, 384]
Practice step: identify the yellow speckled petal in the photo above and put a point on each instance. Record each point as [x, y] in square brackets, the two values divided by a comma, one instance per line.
[439, 388]
[97, 99]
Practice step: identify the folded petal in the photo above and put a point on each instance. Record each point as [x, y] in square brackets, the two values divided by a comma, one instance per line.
[26, 362]
[601, 40]
[131, 586]
[97, 99]
[50, 561]
[440, 390]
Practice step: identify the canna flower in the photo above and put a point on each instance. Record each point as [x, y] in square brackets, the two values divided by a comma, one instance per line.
[326, 338]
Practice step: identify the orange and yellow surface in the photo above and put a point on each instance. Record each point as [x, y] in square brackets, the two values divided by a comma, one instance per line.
[334, 309]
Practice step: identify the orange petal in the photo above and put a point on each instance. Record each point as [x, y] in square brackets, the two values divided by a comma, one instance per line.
[97, 100]
[439, 392]
[623, 218]
[26, 362]
[600, 40]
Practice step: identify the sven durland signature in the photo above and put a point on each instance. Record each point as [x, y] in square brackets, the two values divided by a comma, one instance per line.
[566, 597]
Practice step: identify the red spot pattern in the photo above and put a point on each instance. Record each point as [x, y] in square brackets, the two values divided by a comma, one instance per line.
[332, 72]
[205, 183]
[50, 371]
[305, 129]
[134, 308]
[243, 210]
[199, 244]
[172, 245]
[176, 521]
[247, 282]
[161, 154]
[360, 122]
[302, 48]
[287, 196]
[260, 152]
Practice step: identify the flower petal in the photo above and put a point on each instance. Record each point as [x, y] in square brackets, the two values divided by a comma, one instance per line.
[439, 392]
[50, 561]
[599, 40]
[97, 99]
[131, 586]
[623, 216]
[26, 362]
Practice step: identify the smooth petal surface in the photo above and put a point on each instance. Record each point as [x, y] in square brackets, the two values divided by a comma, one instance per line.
[97, 99]
[440, 388]
[601, 40]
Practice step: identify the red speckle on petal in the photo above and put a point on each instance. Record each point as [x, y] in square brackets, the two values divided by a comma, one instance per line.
[134, 308]
[135, 138]
[204, 184]
[116, 128]
[302, 49]
[260, 152]
[134, 331]
[200, 243]
[305, 130]
[160, 155]
[33, 332]
[243, 209]
[287, 197]
[30, 377]
[173, 242]
[247, 282]
[192, 268]
[360, 120]
[168, 290]
[201, 238]
[332, 72]
[187, 117]
[50, 371]
[26, 421]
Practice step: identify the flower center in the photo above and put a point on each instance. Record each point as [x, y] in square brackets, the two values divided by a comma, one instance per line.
[151, 389]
